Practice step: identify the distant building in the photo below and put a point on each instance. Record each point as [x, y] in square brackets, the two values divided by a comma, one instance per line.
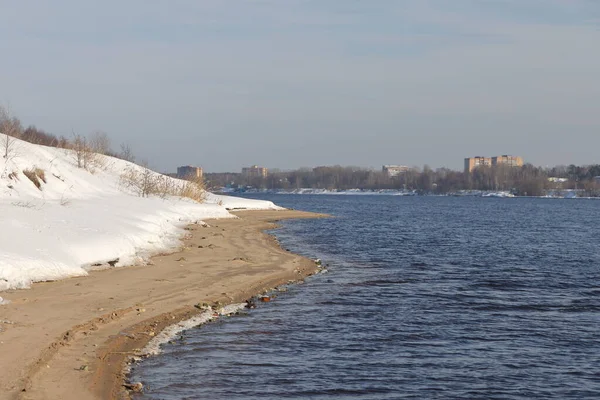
[255, 172]
[189, 172]
[394, 170]
[511, 161]
[473, 162]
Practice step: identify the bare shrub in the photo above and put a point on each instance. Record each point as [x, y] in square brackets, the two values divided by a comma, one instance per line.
[63, 143]
[165, 186]
[35, 175]
[124, 154]
[84, 154]
[142, 181]
[145, 182]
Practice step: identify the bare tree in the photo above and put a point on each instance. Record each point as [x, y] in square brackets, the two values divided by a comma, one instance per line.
[99, 142]
[80, 148]
[88, 152]
[11, 127]
[85, 156]
[126, 153]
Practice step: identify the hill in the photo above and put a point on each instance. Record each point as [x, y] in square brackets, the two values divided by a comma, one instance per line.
[65, 213]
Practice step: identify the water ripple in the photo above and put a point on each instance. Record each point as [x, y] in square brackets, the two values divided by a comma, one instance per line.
[427, 298]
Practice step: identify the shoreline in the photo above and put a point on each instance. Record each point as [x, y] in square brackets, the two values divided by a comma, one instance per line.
[81, 353]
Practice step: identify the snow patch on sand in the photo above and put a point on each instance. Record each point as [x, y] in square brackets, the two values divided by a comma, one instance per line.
[238, 203]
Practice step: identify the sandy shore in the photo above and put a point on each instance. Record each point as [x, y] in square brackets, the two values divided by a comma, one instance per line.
[69, 339]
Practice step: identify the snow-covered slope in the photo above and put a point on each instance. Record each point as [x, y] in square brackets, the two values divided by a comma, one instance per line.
[78, 220]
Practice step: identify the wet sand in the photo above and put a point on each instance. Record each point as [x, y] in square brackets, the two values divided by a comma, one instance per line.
[70, 339]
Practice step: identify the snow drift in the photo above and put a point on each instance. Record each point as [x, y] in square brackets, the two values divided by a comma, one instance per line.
[80, 219]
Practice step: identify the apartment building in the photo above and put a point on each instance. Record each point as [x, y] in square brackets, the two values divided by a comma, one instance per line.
[473, 162]
[255, 172]
[189, 172]
[504, 160]
[511, 161]
[394, 170]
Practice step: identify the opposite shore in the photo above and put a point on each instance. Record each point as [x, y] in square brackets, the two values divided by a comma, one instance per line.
[70, 339]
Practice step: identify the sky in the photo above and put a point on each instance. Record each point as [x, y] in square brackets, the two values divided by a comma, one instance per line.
[285, 84]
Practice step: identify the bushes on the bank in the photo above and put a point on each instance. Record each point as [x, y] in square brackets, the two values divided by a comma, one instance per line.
[145, 182]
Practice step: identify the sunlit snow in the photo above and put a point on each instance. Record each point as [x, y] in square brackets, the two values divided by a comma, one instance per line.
[78, 220]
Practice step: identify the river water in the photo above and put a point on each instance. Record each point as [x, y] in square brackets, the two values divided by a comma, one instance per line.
[425, 298]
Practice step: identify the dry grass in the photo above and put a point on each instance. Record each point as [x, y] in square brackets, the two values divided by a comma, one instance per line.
[33, 177]
[40, 174]
[193, 188]
[148, 183]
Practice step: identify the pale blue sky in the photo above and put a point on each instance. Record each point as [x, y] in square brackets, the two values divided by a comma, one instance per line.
[290, 83]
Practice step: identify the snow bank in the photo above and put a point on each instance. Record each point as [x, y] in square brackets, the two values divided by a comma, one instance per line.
[238, 203]
[78, 220]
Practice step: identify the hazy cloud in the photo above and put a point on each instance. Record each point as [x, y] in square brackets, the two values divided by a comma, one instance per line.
[296, 83]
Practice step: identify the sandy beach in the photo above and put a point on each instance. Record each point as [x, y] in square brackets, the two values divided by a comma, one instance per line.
[69, 339]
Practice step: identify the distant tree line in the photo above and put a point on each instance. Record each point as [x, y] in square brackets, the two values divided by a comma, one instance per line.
[85, 151]
[96, 142]
[527, 180]
[522, 181]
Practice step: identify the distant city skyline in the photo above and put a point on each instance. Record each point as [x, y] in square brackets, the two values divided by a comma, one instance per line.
[289, 84]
